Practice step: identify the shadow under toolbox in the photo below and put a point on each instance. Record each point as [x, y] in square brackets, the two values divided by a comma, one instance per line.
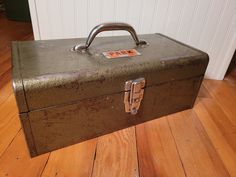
[66, 95]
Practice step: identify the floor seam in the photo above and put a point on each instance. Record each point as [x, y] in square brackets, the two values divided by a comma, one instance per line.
[185, 174]
[10, 143]
[136, 142]
[94, 158]
[45, 165]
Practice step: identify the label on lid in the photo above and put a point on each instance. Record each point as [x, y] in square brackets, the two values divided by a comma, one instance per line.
[121, 53]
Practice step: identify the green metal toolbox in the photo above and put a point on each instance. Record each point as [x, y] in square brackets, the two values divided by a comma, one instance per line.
[69, 93]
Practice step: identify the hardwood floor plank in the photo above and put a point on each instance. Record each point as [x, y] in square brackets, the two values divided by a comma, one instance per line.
[5, 78]
[116, 155]
[157, 153]
[9, 122]
[6, 91]
[8, 132]
[220, 119]
[220, 88]
[5, 55]
[8, 109]
[225, 95]
[16, 162]
[220, 131]
[76, 160]
[203, 92]
[198, 155]
[4, 67]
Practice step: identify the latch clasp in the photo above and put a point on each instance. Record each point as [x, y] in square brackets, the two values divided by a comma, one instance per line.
[134, 90]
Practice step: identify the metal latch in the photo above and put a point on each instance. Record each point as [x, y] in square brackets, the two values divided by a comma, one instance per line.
[134, 90]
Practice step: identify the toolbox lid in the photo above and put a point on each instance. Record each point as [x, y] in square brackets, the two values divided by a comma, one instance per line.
[47, 73]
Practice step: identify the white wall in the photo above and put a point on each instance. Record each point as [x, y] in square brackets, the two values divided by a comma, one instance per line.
[209, 25]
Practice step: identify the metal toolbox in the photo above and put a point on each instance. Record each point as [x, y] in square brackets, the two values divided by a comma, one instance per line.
[69, 93]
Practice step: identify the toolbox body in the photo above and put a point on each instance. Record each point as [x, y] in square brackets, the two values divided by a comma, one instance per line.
[66, 97]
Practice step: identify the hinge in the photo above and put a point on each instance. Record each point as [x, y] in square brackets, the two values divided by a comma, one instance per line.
[134, 90]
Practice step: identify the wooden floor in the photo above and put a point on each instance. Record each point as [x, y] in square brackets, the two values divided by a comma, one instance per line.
[200, 142]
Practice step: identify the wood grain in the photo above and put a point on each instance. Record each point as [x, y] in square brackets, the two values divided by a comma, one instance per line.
[198, 155]
[6, 84]
[158, 155]
[116, 155]
[9, 122]
[225, 96]
[76, 160]
[220, 131]
[203, 92]
[5, 66]
[16, 162]
[220, 119]
[8, 131]
[6, 91]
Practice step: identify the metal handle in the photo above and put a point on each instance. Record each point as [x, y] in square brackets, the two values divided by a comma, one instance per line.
[108, 27]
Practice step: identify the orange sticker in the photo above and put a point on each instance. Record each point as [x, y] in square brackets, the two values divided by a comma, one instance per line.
[121, 53]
